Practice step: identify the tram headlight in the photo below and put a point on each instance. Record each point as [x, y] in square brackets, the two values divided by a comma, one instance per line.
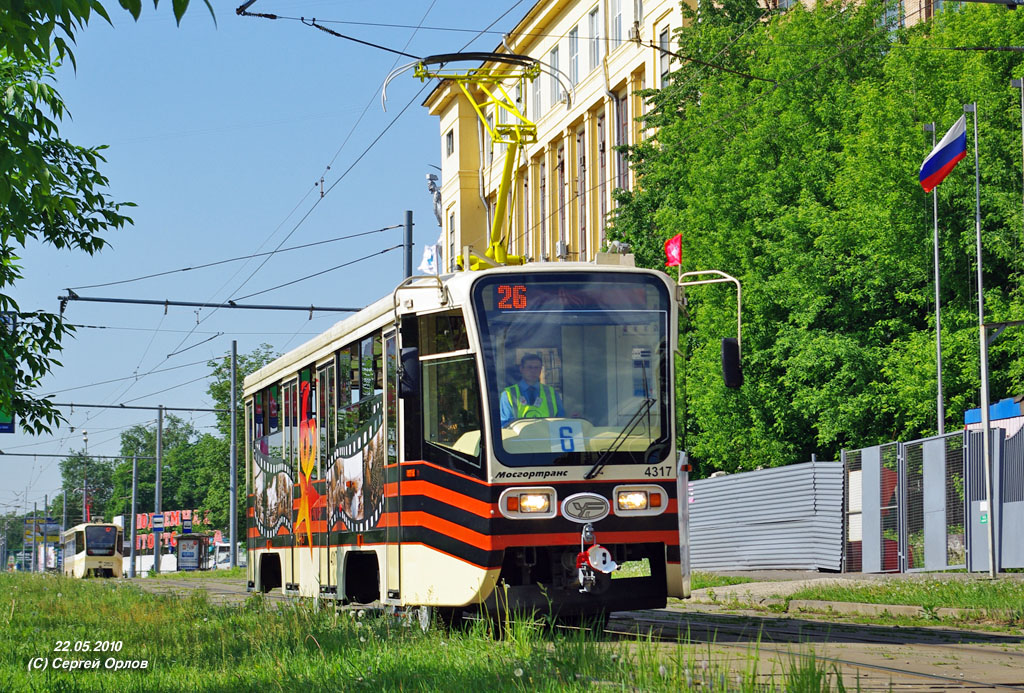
[534, 502]
[528, 503]
[631, 500]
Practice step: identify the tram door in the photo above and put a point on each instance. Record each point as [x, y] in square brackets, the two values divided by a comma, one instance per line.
[392, 477]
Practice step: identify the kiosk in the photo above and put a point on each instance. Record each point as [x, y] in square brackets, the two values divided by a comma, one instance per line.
[194, 552]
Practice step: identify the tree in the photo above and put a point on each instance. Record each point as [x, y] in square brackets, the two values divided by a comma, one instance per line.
[177, 438]
[196, 470]
[804, 186]
[51, 191]
[220, 386]
[96, 475]
[215, 453]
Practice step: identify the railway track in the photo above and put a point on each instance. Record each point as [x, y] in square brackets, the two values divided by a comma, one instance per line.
[868, 657]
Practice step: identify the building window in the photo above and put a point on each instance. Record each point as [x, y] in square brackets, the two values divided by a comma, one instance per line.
[556, 88]
[574, 55]
[451, 242]
[602, 165]
[621, 140]
[502, 119]
[449, 143]
[560, 157]
[535, 107]
[542, 200]
[664, 57]
[527, 231]
[581, 191]
[594, 28]
[616, 14]
[488, 142]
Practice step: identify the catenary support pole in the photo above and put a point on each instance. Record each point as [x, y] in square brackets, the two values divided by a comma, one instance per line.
[135, 484]
[158, 501]
[233, 525]
[407, 253]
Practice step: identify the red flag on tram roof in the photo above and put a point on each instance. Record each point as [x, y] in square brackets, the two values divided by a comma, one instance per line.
[674, 251]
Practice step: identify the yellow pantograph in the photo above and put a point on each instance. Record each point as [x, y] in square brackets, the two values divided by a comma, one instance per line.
[484, 87]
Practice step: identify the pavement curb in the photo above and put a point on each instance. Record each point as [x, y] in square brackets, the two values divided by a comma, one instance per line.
[865, 609]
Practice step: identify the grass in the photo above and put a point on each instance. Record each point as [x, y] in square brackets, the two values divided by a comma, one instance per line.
[1004, 594]
[700, 580]
[190, 644]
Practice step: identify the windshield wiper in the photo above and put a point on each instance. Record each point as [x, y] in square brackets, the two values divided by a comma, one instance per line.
[633, 422]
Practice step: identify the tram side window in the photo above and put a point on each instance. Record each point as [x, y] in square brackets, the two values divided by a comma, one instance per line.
[268, 423]
[451, 392]
[69, 545]
[291, 422]
[451, 407]
[326, 409]
[348, 392]
[360, 382]
[79, 542]
[441, 333]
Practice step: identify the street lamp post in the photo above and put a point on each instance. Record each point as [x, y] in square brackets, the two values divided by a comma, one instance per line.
[1019, 83]
[85, 477]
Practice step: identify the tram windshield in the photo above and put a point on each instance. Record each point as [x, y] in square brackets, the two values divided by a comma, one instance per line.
[100, 540]
[576, 367]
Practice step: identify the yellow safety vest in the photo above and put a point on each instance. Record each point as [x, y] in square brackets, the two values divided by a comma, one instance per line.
[544, 406]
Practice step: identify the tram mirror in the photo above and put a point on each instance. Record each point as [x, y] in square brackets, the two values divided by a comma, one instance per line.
[732, 370]
[409, 380]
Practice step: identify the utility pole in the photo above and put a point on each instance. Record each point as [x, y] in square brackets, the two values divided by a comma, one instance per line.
[85, 478]
[46, 527]
[158, 502]
[233, 524]
[407, 252]
[135, 477]
[35, 530]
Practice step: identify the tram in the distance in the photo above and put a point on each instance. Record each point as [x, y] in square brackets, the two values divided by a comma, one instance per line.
[395, 458]
[92, 550]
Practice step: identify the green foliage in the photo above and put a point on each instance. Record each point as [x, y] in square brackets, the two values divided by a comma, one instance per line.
[39, 29]
[81, 471]
[196, 467]
[805, 188]
[220, 386]
[51, 191]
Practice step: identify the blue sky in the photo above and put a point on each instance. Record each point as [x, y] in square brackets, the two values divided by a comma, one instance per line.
[220, 134]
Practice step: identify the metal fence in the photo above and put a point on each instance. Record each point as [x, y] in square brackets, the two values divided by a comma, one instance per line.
[921, 505]
[784, 517]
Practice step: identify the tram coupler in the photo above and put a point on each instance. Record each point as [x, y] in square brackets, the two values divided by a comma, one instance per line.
[590, 562]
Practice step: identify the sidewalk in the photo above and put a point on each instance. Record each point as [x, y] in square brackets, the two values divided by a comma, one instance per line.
[772, 589]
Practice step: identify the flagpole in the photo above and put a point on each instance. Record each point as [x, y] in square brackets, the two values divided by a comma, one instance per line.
[986, 443]
[940, 410]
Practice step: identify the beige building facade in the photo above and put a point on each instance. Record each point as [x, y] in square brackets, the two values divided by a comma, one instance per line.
[563, 183]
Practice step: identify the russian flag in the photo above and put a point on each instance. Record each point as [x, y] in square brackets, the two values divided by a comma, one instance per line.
[945, 156]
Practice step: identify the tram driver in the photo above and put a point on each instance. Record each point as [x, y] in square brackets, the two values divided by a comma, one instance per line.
[529, 398]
